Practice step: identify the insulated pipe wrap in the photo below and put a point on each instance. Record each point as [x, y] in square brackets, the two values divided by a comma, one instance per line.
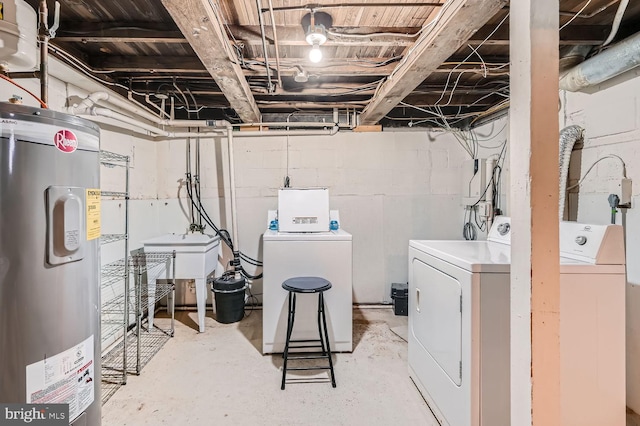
[568, 138]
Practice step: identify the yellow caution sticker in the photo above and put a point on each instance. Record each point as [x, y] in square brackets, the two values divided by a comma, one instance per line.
[2, 11]
[93, 214]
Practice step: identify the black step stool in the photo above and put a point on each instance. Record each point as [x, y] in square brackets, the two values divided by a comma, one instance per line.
[307, 285]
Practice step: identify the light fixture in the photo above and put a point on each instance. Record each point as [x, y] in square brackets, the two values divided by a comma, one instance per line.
[316, 35]
[315, 54]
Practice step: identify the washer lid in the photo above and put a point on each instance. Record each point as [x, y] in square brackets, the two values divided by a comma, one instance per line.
[338, 235]
[474, 256]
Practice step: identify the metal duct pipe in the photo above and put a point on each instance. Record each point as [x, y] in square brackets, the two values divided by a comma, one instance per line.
[614, 61]
[568, 137]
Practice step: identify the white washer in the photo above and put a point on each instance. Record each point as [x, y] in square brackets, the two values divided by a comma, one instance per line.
[290, 254]
[459, 326]
[592, 325]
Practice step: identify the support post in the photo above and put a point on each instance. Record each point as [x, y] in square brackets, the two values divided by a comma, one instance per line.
[535, 270]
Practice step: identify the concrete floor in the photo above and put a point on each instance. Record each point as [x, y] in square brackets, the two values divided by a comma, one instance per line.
[221, 377]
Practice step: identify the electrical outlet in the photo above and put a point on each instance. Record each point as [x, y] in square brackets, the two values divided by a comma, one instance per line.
[484, 209]
[622, 188]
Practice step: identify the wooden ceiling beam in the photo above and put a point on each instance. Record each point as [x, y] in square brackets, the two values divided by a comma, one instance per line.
[200, 26]
[455, 26]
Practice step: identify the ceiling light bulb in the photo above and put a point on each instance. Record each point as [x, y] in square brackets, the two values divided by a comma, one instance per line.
[315, 55]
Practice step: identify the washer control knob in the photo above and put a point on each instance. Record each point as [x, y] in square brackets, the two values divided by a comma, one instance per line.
[503, 228]
[581, 240]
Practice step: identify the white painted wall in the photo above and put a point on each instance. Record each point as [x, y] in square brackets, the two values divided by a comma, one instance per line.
[611, 116]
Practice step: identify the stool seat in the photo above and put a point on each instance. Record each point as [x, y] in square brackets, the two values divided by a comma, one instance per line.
[312, 285]
[306, 284]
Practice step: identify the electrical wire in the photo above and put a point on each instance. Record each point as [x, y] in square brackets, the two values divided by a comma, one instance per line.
[40, 101]
[609, 156]
[469, 56]
[576, 15]
[622, 7]
[369, 35]
[225, 237]
[88, 71]
[469, 230]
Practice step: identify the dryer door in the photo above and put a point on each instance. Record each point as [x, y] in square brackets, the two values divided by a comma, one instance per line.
[438, 325]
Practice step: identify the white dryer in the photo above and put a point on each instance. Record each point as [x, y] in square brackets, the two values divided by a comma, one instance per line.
[473, 334]
[459, 327]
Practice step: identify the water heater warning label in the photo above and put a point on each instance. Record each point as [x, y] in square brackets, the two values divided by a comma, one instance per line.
[65, 378]
[93, 214]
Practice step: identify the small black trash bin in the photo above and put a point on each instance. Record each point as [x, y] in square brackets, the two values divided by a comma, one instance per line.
[229, 295]
[400, 296]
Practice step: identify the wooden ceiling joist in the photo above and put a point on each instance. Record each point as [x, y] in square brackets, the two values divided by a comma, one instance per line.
[454, 27]
[199, 25]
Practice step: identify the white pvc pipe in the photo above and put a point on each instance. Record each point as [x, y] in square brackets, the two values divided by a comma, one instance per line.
[328, 132]
[96, 97]
[105, 112]
[232, 191]
[286, 124]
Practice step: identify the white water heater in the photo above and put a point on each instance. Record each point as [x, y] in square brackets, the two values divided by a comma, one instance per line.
[49, 261]
[18, 35]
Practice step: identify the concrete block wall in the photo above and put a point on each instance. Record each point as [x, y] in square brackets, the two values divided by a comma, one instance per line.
[389, 187]
[610, 114]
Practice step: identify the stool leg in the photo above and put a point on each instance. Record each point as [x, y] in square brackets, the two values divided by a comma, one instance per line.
[326, 335]
[290, 319]
[324, 352]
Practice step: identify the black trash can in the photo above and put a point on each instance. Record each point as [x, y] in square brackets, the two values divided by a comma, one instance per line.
[400, 296]
[229, 295]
